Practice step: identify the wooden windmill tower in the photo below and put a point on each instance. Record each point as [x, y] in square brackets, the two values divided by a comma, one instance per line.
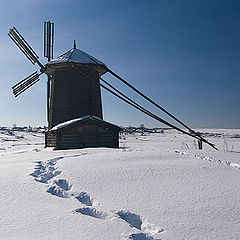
[72, 94]
[74, 105]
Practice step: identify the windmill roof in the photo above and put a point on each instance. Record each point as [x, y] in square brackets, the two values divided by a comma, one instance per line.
[76, 56]
[83, 118]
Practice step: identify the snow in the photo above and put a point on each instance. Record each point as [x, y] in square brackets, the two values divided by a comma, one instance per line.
[156, 186]
[73, 121]
[68, 123]
[77, 56]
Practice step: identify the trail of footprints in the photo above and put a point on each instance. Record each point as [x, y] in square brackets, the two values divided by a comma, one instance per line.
[210, 159]
[46, 172]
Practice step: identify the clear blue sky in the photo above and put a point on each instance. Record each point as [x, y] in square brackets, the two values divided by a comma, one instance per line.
[183, 54]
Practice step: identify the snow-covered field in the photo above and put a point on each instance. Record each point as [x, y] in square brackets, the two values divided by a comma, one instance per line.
[156, 186]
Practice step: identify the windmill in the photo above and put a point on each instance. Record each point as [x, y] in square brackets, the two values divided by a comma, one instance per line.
[71, 97]
[74, 105]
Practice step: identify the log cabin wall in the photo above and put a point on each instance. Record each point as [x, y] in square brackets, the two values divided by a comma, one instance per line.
[50, 139]
[85, 134]
[89, 134]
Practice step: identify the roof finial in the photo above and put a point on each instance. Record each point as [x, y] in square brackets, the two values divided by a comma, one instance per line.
[74, 44]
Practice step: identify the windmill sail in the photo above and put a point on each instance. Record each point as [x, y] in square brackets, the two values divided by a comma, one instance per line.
[25, 83]
[24, 46]
[48, 39]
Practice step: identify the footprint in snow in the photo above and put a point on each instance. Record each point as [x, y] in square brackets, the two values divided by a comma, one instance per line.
[136, 221]
[140, 236]
[59, 192]
[46, 170]
[132, 219]
[92, 212]
[62, 183]
[84, 198]
[60, 188]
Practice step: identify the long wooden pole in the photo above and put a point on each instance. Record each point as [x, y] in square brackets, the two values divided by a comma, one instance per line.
[137, 106]
[151, 101]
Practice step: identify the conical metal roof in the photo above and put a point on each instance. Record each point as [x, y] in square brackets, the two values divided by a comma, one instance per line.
[76, 56]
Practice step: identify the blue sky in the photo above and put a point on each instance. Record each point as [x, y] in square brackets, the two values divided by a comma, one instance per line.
[185, 55]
